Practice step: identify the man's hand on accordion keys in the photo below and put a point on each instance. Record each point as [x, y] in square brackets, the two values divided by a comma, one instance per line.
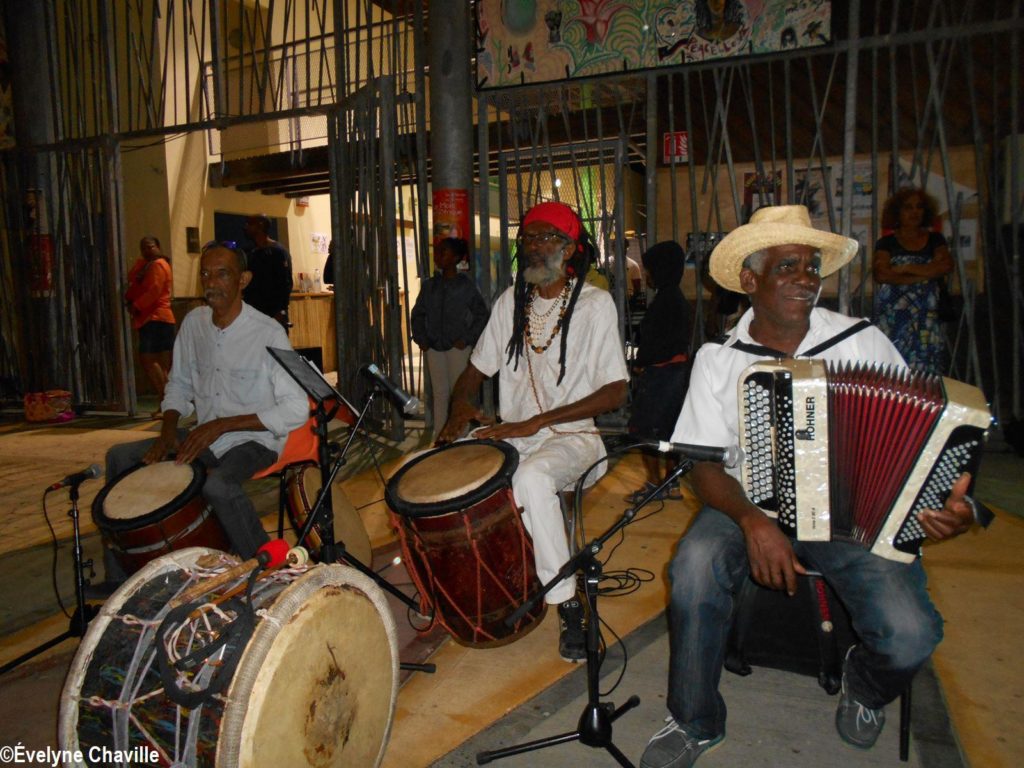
[956, 515]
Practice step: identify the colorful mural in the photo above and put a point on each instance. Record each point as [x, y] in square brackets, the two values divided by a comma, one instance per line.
[530, 41]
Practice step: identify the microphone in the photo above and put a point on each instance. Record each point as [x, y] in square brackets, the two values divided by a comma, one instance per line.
[77, 478]
[730, 456]
[405, 402]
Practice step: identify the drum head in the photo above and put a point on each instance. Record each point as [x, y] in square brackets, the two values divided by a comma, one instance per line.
[318, 681]
[452, 477]
[145, 493]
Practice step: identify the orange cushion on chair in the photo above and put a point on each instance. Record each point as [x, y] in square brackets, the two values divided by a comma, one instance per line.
[302, 445]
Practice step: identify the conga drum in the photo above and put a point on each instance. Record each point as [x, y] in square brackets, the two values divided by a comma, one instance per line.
[308, 670]
[152, 509]
[463, 540]
[303, 483]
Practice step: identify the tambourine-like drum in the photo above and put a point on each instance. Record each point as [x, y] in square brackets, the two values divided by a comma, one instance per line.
[152, 509]
[463, 540]
[303, 487]
[308, 674]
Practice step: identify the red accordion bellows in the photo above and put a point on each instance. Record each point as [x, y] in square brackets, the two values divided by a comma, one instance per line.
[855, 452]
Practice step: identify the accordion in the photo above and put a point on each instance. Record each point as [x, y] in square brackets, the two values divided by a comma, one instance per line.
[854, 453]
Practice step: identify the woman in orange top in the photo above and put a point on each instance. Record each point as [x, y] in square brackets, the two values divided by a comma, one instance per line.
[148, 298]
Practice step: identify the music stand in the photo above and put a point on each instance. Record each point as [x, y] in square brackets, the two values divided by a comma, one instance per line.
[327, 402]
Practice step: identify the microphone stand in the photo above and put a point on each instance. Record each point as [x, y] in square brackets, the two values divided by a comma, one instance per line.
[594, 728]
[332, 550]
[83, 613]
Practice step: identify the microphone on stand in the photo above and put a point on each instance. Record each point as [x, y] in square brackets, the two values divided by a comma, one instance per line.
[729, 456]
[406, 403]
[77, 478]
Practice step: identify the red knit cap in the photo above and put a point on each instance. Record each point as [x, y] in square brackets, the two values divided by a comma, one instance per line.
[558, 215]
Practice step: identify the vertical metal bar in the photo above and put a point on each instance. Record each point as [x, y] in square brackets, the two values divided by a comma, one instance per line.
[220, 93]
[849, 140]
[1015, 212]
[651, 161]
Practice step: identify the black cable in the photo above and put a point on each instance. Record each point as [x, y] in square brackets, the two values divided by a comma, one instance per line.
[56, 549]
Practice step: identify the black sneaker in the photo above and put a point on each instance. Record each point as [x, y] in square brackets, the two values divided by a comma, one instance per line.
[673, 747]
[858, 725]
[572, 641]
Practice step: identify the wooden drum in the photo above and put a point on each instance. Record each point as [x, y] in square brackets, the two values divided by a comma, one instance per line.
[152, 509]
[314, 680]
[463, 540]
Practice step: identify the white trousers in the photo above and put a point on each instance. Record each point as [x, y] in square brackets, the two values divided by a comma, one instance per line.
[549, 464]
[444, 369]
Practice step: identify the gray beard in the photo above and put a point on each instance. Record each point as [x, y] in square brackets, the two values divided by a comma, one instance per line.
[545, 274]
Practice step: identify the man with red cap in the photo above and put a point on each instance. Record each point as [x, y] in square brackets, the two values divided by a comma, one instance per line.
[553, 341]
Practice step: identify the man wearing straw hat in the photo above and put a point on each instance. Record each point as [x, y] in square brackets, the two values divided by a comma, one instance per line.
[778, 260]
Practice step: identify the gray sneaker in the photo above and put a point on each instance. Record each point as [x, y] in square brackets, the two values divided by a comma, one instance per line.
[673, 747]
[858, 725]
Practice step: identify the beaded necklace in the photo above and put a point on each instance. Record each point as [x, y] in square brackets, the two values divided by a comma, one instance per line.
[540, 318]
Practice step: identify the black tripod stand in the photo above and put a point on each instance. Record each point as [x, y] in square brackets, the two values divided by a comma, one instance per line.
[594, 728]
[83, 613]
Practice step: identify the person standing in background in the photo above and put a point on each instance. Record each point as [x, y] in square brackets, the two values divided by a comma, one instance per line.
[148, 299]
[447, 319]
[661, 365]
[909, 267]
[271, 266]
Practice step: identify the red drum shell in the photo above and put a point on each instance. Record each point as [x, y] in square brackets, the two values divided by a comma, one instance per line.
[472, 562]
[164, 525]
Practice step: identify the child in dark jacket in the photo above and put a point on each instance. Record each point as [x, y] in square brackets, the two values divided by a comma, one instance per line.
[447, 319]
[662, 364]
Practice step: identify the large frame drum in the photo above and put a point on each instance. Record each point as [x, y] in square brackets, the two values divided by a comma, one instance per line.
[152, 509]
[315, 682]
[463, 540]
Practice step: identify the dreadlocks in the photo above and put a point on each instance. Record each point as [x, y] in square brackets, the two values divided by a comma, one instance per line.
[576, 268]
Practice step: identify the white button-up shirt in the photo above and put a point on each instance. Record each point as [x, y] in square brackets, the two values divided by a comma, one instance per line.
[710, 414]
[220, 372]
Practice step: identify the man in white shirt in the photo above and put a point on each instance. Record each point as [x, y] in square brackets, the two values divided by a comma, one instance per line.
[779, 260]
[245, 402]
[553, 341]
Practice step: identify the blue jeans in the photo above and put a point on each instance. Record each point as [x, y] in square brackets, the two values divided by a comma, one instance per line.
[888, 604]
[222, 489]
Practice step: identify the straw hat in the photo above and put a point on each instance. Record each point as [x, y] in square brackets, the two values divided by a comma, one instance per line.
[777, 225]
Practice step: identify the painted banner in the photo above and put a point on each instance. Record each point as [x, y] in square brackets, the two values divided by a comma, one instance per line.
[532, 41]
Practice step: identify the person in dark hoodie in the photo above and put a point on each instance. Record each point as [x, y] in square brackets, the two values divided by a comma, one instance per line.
[662, 362]
[447, 319]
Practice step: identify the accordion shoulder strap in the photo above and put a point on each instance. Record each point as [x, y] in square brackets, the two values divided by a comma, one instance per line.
[829, 343]
[762, 351]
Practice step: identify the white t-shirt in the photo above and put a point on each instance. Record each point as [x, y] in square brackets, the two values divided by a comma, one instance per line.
[710, 414]
[593, 358]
